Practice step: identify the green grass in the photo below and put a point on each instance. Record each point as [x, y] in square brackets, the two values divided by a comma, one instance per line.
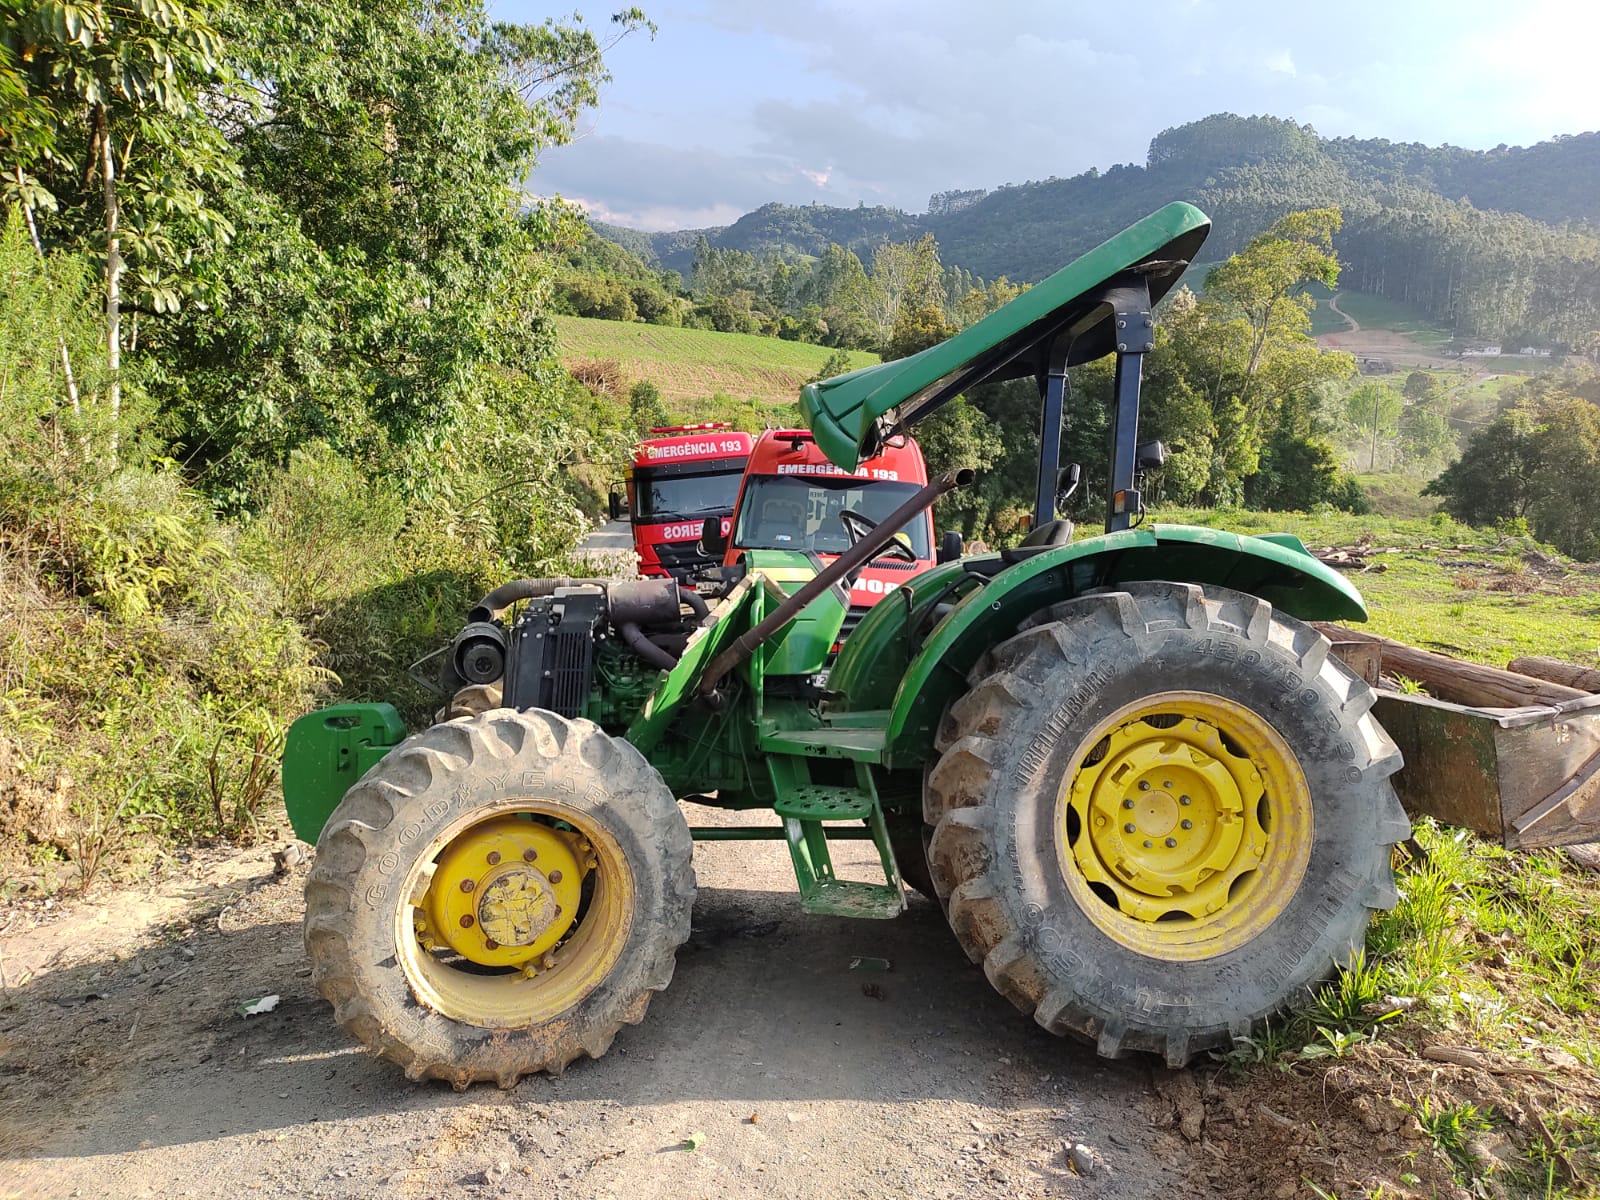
[1480, 602]
[1325, 320]
[1393, 495]
[692, 364]
[1378, 312]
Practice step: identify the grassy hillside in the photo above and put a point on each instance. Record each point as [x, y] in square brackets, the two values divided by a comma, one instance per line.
[689, 365]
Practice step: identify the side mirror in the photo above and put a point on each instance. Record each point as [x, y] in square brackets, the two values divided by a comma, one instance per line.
[1150, 456]
[713, 539]
[614, 506]
[951, 546]
[1066, 484]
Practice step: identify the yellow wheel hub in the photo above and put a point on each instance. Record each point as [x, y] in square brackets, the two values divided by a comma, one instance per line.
[1185, 829]
[510, 919]
[506, 891]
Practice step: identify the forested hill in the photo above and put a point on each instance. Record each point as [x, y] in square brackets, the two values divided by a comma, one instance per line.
[1498, 243]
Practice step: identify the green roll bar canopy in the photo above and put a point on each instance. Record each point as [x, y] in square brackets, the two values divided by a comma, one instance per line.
[1089, 308]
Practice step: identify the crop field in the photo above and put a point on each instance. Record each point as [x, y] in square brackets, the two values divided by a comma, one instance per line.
[691, 365]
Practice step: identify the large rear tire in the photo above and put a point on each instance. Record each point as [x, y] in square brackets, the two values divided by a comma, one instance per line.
[1161, 815]
[497, 896]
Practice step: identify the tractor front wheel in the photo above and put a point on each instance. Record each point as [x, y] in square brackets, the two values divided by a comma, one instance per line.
[1162, 814]
[497, 896]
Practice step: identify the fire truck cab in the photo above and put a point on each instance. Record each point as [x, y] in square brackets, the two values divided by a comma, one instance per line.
[792, 498]
[681, 477]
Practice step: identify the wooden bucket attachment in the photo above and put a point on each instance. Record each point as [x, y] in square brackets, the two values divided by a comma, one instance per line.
[1513, 757]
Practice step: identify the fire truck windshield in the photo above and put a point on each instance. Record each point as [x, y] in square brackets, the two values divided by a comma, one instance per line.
[801, 512]
[661, 496]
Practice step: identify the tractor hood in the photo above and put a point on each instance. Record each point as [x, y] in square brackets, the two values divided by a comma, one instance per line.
[852, 415]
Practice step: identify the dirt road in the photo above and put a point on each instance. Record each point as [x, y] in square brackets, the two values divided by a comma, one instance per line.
[127, 1070]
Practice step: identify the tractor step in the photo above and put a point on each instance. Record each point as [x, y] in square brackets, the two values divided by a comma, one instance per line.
[846, 898]
[820, 802]
[805, 805]
[862, 743]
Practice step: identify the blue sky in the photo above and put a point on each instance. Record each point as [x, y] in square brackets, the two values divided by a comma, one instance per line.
[738, 102]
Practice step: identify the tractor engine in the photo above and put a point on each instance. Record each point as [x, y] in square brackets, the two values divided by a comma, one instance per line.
[549, 652]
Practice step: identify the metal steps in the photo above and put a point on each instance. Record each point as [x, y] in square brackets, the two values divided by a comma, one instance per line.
[805, 806]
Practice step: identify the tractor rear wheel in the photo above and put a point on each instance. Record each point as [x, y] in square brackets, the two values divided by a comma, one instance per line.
[1162, 814]
[499, 895]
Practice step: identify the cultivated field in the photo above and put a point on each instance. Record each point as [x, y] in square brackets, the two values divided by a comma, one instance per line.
[691, 365]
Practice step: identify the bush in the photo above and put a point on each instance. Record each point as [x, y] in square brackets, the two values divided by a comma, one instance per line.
[327, 530]
[1298, 473]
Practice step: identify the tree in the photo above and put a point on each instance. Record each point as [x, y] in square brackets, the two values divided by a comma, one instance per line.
[905, 276]
[1425, 436]
[1422, 388]
[1495, 477]
[1263, 281]
[386, 278]
[112, 92]
[1245, 353]
[1539, 461]
[645, 409]
[916, 329]
[1299, 473]
[1376, 408]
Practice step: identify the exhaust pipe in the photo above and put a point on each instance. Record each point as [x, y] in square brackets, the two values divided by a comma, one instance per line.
[862, 552]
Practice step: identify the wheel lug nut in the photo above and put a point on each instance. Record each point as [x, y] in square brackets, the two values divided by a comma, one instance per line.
[1144, 785]
[555, 876]
[1183, 800]
[529, 855]
[1147, 845]
[1171, 842]
[1188, 824]
[467, 885]
[1167, 783]
[490, 944]
[1128, 828]
[494, 857]
[466, 921]
[1128, 803]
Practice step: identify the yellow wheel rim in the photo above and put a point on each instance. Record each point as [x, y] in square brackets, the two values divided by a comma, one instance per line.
[1184, 830]
[514, 914]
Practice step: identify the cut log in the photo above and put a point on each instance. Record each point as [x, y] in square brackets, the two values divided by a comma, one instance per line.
[1585, 679]
[1457, 681]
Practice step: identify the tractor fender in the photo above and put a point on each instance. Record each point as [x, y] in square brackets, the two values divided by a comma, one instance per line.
[1277, 568]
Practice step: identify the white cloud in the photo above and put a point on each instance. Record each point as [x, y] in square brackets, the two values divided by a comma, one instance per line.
[899, 98]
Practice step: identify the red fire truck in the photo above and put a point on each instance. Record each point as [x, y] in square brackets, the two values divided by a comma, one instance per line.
[792, 497]
[681, 477]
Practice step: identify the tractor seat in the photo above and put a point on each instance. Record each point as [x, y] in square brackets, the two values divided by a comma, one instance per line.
[1048, 536]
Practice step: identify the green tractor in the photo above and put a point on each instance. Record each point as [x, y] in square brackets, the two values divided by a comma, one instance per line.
[1152, 799]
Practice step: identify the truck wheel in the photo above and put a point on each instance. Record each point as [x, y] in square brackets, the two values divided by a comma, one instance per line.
[497, 896]
[1162, 814]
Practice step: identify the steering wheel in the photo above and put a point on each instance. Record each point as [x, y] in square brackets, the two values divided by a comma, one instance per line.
[855, 525]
